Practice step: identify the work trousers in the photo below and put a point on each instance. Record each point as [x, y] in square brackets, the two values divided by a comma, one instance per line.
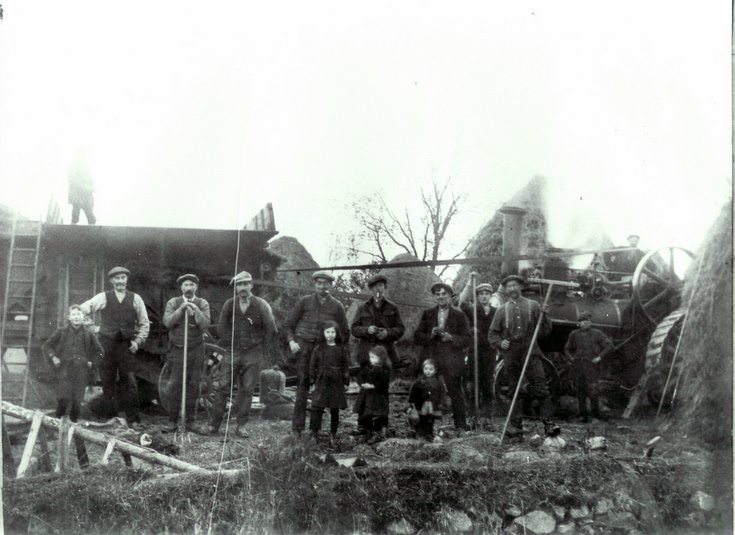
[173, 377]
[535, 388]
[486, 369]
[70, 390]
[315, 421]
[372, 423]
[245, 373]
[117, 372]
[88, 212]
[584, 378]
[456, 394]
[303, 359]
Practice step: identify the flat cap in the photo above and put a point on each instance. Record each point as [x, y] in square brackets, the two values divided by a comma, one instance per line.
[243, 276]
[117, 271]
[517, 278]
[375, 279]
[322, 275]
[438, 285]
[484, 287]
[188, 277]
[586, 315]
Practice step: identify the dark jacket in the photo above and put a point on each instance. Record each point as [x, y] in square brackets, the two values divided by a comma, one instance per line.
[59, 345]
[309, 313]
[329, 373]
[373, 402]
[256, 327]
[426, 389]
[387, 317]
[449, 356]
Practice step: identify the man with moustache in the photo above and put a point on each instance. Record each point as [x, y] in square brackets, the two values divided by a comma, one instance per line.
[377, 322]
[123, 330]
[302, 331]
[511, 332]
[247, 328]
[186, 314]
[444, 333]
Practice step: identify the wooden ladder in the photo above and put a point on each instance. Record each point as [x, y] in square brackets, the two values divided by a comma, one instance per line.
[18, 307]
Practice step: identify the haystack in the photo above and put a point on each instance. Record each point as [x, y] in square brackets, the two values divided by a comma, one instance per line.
[410, 289]
[705, 390]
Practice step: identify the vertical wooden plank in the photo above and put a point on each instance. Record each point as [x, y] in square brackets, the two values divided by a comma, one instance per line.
[25, 459]
[44, 460]
[61, 451]
[8, 463]
[81, 448]
[127, 458]
[108, 451]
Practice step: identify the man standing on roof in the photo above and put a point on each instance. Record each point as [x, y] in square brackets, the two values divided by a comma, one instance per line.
[81, 189]
[184, 314]
[247, 328]
[444, 333]
[511, 332]
[585, 348]
[302, 331]
[123, 330]
[486, 354]
[378, 322]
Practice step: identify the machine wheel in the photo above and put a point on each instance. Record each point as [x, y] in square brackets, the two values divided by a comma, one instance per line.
[656, 286]
[659, 356]
[500, 389]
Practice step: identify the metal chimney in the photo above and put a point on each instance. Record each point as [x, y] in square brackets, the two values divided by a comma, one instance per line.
[512, 227]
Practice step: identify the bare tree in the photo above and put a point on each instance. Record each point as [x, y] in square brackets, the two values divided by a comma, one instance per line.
[385, 232]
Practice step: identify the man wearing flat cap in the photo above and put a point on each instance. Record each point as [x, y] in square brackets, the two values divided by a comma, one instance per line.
[247, 328]
[444, 333]
[511, 332]
[585, 348]
[486, 354]
[302, 332]
[123, 330]
[185, 316]
[377, 322]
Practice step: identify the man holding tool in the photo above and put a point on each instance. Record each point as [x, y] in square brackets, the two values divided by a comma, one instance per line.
[514, 331]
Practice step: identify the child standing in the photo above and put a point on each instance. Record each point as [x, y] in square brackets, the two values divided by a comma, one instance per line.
[71, 350]
[372, 401]
[329, 372]
[426, 395]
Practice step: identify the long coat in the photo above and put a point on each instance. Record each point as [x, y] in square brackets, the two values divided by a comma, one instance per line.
[330, 374]
[373, 402]
[449, 356]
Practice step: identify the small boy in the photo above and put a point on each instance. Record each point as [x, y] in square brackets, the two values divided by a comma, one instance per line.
[426, 396]
[71, 350]
[585, 348]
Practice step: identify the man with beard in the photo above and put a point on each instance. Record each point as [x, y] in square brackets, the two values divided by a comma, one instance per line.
[444, 333]
[302, 331]
[186, 314]
[486, 354]
[247, 328]
[123, 330]
[377, 322]
[511, 332]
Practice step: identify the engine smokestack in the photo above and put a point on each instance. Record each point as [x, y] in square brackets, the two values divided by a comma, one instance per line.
[512, 226]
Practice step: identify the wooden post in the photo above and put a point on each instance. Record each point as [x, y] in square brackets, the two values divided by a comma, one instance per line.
[8, 463]
[44, 460]
[25, 459]
[108, 451]
[61, 451]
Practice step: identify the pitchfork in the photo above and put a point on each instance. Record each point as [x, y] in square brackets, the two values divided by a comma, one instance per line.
[181, 433]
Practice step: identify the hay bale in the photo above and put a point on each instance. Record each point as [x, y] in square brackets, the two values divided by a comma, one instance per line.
[705, 351]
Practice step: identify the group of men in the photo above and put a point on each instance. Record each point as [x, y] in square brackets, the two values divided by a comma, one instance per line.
[248, 329]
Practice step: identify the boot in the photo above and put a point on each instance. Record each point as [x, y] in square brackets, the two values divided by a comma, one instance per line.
[551, 430]
[333, 440]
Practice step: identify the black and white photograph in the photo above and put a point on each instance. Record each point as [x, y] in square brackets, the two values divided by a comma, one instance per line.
[366, 268]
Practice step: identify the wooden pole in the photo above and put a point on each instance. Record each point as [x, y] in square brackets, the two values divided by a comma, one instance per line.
[528, 359]
[477, 365]
[181, 431]
[101, 439]
[25, 459]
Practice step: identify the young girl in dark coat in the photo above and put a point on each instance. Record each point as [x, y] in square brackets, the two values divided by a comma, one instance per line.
[329, 372]
[72, 350]
[426, 395]
[372, 401]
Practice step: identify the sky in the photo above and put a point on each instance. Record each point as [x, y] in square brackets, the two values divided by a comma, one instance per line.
[198, 114]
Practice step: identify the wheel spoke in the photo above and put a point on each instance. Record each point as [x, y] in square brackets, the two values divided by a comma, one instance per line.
[671, 264]
[658, 297]
[655, 276]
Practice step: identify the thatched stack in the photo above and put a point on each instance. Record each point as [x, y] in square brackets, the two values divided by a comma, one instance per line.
[705, 390]
[489, 240]
[406, 287]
